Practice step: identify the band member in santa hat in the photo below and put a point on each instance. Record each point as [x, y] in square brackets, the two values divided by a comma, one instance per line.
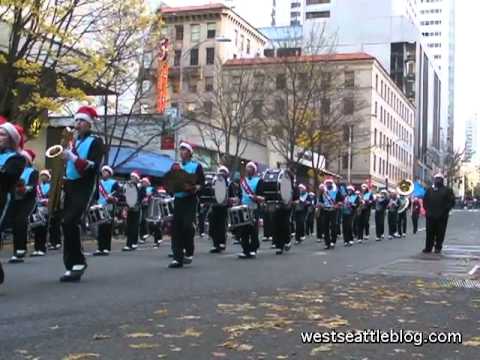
[392, 208]
[23, 206]
[330, 201]
[150, 192]
[40, 232]
[251, 194]
[438, 201]
[108, 192]
[381, 205]
[185, 205]
[157, 229]
[349, 208]
[310, 220]
[218, 215]
[281, 221]
[12, 164]
[300, 213]
[366, 209]
[319, 214]
[134, 213]
[81, 183]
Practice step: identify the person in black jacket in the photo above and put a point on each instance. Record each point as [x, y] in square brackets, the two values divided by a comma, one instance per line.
[438, 202]
[23, 206]
[11, 168]
[81, 182]
[416, 209]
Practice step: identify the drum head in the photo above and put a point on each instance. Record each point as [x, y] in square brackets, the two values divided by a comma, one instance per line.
[220, 189]
[131, 195]
[286, 191]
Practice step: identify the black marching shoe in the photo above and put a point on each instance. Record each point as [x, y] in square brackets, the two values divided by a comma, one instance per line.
[15, 260]
[98, 253]
[187, 260]
[288, 246]
[438, 251]
[75, 274]
[426, 251]
[175, 265]
[243, 256]
[326, 247]
[127, 248]
[279, 252]
[215, 250]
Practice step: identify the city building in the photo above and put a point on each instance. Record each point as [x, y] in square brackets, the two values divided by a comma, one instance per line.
[387, 116]
[471, 139]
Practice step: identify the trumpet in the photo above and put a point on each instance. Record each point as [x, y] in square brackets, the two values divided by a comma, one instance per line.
[57, 150]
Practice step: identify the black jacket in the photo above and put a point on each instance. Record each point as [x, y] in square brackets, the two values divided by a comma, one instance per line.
[438, 202]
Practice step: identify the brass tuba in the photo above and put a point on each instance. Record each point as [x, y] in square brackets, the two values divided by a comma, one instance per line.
[58, 170]
[405, 187]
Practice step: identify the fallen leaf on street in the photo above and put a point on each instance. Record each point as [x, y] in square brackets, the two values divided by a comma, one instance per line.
[321, 348]
[81, 356]
[189, 317]
[161, 312]
[475, 341]
[245, 347]
[143, 346]
[101, 337]
[218, 354]
[139, 335]
[192, 332]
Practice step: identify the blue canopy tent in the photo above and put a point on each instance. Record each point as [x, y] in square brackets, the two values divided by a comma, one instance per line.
[149, 163]
[418, 190]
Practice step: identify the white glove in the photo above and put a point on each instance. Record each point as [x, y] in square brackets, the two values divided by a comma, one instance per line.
[69, 155]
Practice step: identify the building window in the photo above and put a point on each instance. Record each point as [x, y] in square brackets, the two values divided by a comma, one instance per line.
[210, 56]
[281, 82]
[317, 14]
[248, 46]
[208, 108]
[376, 83]
[236, 38]
[209, 83]
[375, 137]
[179, 32]
[376, 110]
[295, 5]
[314, 2]
[177, 58]
[195, 33]
[192, 87]
[257, 109]
[325, 106]
[348, 106]
[242, 43]
[211, 30]
[280, 106]
[326, 80]
[194, 57]
[374, 163]
[381, 88]
[175, 86]
[349, 79]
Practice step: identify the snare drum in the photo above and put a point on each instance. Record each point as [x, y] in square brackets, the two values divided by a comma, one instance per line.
[239, 216]
[154, 213]
[207, 193]
[98, 214]
[38, 217]
[166, 208]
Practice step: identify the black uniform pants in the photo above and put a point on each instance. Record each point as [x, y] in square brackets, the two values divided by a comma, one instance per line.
[330, 226]
[144, 226]
[347, 227]
[402, 223]
[183, 231]
[156, 230]
[133, 226]
[299, 224]
[364, 223]
[320, 224]
[202, 215]
[249, 236]
[310, 221]
[415, 217]
[21, 211]
[105, 236]
[268, 223]
[392, 222]
[281, 230]
[40, 238]
[380, 223]
[54, 228]
[218, 225]
[436, 229]
[77, 198]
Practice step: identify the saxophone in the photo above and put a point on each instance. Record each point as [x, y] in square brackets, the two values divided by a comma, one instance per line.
[58, 171]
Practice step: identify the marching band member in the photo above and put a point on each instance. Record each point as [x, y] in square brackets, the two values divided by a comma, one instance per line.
[149, 193]
[40, 233]
[416, 209]
[330, 201]
[357, 217]
[350, 205]
[310, 214]
[157, 229]
[281, 215]
[23, 206]
[82, 168]
[438, 201]
[319, 213]
[185, 205]
[108, 190]
[134, 213]
[251, 194]
[393, 214]
[218, 216]
[402, 217]
[381, 204]
[268, 224]
[12, 164]
[366, 206]
[300, 211]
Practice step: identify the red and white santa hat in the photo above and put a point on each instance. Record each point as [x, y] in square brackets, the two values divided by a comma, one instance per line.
[108, 169]
[136, 174]
[364, 186]
[161, 190]
[15, 132]
[321, 187]
[3, 120]
[86, 113]
[187, 146]
[46, 173]
[328, 180]
[302, 187]
[252, 164]
[223, 168]
[351, 187]
[29, 154]
[146, 180]
[439, 175]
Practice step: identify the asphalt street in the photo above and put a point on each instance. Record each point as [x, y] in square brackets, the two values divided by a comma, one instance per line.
[130, 306]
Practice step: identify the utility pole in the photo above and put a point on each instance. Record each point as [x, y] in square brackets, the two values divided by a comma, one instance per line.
[349, 173]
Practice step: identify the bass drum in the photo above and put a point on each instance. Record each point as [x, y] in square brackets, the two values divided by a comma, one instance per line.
[220, 189]
[277, 186]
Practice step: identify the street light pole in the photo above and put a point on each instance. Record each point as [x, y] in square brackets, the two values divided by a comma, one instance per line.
[349, 171]
[388, 163]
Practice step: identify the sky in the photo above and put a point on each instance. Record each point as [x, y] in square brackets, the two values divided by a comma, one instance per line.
[467, 67]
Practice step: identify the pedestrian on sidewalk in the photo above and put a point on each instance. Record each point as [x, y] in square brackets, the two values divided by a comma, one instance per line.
[438, 202]
[416, 208]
